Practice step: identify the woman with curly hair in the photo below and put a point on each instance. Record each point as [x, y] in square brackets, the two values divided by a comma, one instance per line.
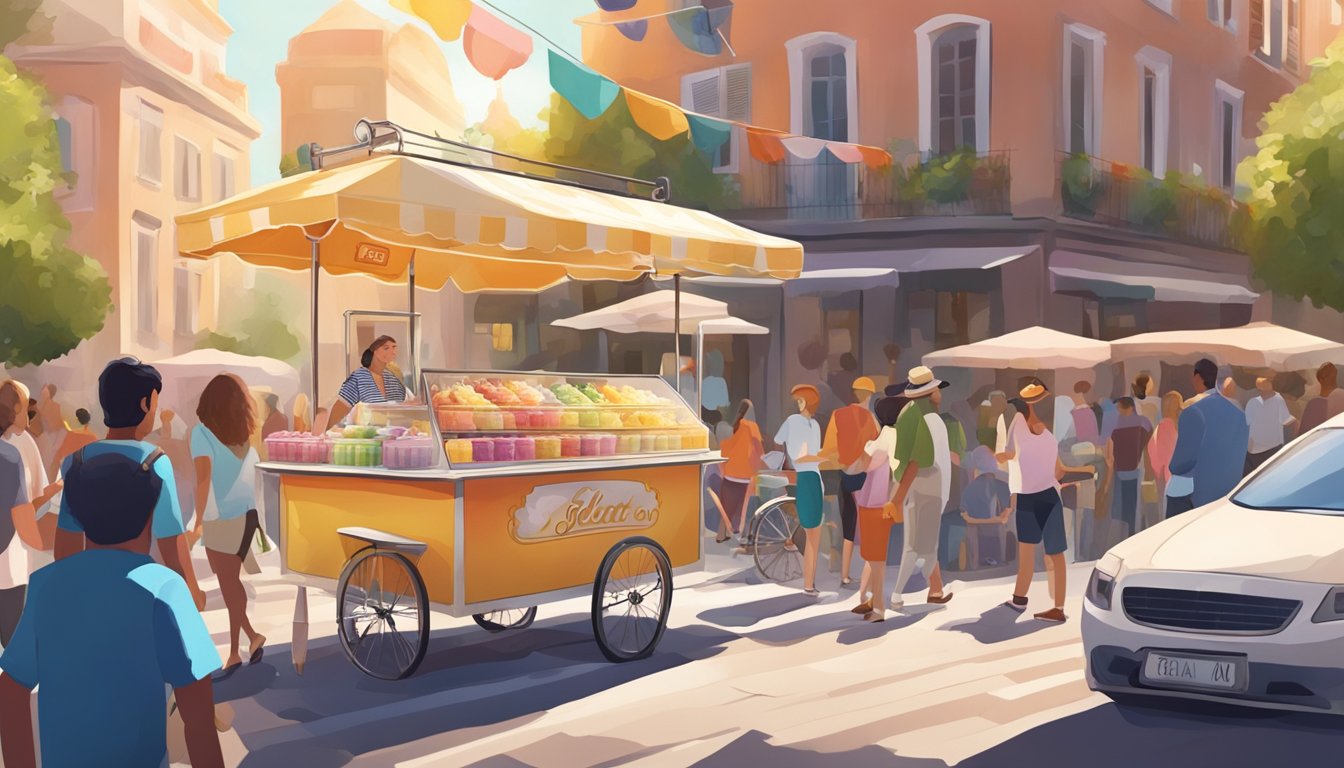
[226, 510]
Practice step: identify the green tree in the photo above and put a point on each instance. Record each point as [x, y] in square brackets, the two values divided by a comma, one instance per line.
[51, 297]
[262, 331]
[1293, 224]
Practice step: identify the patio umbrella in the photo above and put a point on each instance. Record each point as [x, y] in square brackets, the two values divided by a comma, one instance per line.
[185, 375]
[1034, 348]
[1258, 345]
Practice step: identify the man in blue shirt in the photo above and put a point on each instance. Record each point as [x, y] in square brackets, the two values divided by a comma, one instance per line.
[128, 391]
[113, 627]
[1210, 451]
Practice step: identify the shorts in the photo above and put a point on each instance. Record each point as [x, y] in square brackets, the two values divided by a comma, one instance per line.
[876, 534]
[807, 498]
[233, 536]
[849, 510]
[1040, 518]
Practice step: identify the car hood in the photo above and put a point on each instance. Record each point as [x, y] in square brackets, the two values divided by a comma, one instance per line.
[1225, 538]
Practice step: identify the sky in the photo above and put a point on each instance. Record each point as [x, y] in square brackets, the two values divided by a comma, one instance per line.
[262, 29]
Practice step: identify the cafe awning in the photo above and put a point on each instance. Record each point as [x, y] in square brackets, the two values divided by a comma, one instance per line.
[1077, 274]
[481, 229]
[1036, 348]
[1258, 345]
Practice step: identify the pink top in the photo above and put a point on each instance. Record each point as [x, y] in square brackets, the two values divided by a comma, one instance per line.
[1037, 455]
[1160, 447]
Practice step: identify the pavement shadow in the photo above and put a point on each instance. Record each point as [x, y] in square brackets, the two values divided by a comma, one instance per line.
[750, 613]
[751, 748]
[1172, 733]
[996, 625]
[871, 631]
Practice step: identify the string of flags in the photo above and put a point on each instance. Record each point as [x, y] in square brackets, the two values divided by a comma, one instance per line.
[494, 48]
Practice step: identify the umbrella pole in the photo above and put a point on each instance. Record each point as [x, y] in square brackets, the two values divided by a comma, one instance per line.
[415, 356]
[699, 369]
[676, 332]
[312, 384]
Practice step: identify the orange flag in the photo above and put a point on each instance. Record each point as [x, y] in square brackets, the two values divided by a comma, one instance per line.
[765, 145]
[492, 46]
[660, 119]
[447, 17]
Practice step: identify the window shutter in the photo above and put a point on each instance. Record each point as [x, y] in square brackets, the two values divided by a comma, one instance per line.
[1293, 9]
[705, 96]
[1257, 24]
[737, 93]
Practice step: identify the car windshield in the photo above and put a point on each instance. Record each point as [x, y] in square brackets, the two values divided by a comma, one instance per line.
[1309, 477]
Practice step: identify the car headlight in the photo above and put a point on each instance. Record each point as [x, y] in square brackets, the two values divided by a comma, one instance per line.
[1332, 607]
[1101, 587]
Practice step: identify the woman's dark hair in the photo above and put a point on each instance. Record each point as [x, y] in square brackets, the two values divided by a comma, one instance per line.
[112, 497]
[1020, 405]
[888, 409]
[122, 386]
[82, 416]
[1141, 386]
[226, 410]
[1207, 371]
[367, 358]
[12, 395]
[742, 410]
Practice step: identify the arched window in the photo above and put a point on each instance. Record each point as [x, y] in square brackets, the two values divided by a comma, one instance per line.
[954, 85]
[823, 96]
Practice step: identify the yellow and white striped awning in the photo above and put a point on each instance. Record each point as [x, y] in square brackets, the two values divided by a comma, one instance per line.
[482, 230]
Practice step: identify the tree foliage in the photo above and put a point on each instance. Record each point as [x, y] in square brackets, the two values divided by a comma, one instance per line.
[263, 330]
[1293, 224]
[51, 297]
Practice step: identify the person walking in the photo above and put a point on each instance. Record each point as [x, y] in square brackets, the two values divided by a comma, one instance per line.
[1039, 508]
[1124, 461]
[850, 429]
[1320, 408]
[743, 450]
[275, 418]
[800, 434]
[876, 510]
[925, 479]
[226, 513]
[23, 491]
[1267, 417]
[1163, 443]
[1210, 453]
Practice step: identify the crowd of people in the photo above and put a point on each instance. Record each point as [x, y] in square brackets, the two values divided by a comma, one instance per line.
[1031, 467]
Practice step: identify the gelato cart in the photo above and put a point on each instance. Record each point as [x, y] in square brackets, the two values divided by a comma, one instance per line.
[505, 491]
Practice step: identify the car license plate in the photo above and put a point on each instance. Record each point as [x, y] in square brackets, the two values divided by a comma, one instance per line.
[1182, 671]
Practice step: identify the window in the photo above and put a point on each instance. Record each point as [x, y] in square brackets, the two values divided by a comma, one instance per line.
[1276, 32]
[823, 99]
[1082, 98]
[1163, 6]
[1337, 12]
[224, 175]
[150, 164]
[954, 83]
[66, 140]
[501, 335]
[186, 300]
[186, 169]
[721, 92]
[960, 317]
[1227, 122]
[1154, 109]
[1306, 477]
[76, 132]
[1222, 14]
[144, 247]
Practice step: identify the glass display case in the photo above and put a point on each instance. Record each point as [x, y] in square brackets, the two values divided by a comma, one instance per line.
[391, 435]
[494, 417]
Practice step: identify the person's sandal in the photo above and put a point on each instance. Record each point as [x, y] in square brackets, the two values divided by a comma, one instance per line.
[721, 539]
[1052, 616]
[941, 599]
[811, 591]
[863, 609]
[1018, 603]
[872, 617]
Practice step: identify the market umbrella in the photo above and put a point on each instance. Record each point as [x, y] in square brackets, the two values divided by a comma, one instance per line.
[1034, 348]
[185, 375]
[1258, 345]
[652, 312]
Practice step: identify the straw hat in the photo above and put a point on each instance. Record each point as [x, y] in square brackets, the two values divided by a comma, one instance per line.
[1034, 392]
[864, 384]
[921, 383]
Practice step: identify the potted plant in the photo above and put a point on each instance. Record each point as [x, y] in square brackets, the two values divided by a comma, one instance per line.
[1079, 185]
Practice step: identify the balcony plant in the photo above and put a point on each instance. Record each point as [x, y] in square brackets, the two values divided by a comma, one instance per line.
[1080, 185]
[1153, 204]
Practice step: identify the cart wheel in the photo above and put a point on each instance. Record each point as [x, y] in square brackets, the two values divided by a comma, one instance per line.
[509, 618]
[778, 541]
[382, 614]
[632, 598]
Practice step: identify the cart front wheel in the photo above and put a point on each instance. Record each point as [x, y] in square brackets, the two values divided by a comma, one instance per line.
[382, 614]
[632, 598]
[778, 541]
[509, 618]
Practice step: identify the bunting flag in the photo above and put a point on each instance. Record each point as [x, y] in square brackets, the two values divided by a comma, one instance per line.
[845, 153]
[709, 133]
[492, 46]
[634, 30]
[660, 119]
[874, 157]
[589, 92]
[765, 145]
[699, 31]
[616, 5]
[446, 17]
[804, 147]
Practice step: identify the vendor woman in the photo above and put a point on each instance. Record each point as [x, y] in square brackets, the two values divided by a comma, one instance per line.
[373, 382]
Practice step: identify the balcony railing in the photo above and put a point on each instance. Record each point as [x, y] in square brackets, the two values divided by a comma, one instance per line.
[1120, 195]
[961, 184]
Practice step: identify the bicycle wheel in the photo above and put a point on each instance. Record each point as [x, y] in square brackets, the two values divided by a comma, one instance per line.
[508, 618]
[778, 541]
[382, 614]
[632, 597]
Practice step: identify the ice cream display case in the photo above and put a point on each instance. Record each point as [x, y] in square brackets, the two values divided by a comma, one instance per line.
[501, 492]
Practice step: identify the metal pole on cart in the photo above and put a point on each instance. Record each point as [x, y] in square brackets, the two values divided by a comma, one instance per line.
[699, 369]
[299, 636]
[676, 333]
[415, 357]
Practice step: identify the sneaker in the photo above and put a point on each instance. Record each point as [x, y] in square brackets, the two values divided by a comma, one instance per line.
[1018, 603]
[1054, 616]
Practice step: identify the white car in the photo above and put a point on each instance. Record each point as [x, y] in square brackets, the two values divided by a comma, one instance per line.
[1239, 601]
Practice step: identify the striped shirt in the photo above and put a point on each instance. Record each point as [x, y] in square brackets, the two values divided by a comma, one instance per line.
[360, 387]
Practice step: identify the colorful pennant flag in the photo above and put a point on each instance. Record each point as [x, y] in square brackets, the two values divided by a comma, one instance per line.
[634, 30]
[660, 119]
[699, 31]
[765, 145]
[616, 5]
[708, 133]
[492, 46]
[804, 147]
[589, 92]
[446, 17]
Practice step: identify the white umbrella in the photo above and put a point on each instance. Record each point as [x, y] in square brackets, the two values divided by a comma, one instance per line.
[1033, 348]
[184, 376]
[1258, 345]
[653, 312]
[727, 326]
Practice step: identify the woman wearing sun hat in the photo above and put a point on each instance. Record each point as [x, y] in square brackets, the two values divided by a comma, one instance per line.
[801, 437]
[1040, 512]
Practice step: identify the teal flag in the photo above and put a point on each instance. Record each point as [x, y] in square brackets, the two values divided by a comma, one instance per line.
[589, 92]
[708, 133]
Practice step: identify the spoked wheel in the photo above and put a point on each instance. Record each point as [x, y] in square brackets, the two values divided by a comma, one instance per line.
[632, 598]
[382, 614]
[778, 541]
[508, 618]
